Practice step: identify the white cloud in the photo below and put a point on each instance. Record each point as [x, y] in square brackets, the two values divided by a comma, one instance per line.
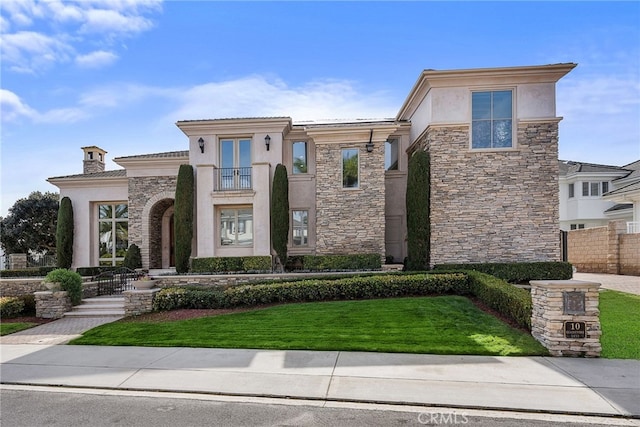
[97, 59]
[110, 22]
[27, 51]
[14, 109]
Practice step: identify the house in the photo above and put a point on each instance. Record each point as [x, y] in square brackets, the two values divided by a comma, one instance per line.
[591, 195]
[492, 136]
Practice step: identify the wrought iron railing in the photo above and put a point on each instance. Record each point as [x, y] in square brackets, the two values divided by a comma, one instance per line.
[117, 281]
[39, 260]
[233, 179]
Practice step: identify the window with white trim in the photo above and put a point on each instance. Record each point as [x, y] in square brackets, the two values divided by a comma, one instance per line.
[571, 190]
[492, 119]
[594, 189]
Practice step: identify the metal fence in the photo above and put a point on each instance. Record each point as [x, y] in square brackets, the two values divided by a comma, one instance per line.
[117, 281]
[41, 260]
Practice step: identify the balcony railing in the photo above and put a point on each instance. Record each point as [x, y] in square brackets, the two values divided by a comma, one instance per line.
[227, 179]
[633, 227]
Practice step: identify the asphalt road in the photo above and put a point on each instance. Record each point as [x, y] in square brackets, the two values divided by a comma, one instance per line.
[26, 407]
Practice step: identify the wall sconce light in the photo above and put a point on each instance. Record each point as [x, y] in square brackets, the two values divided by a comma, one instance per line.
[201, 145]
[267, 141]
[369, 144]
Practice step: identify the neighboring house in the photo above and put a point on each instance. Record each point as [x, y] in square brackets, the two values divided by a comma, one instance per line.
[588, 194]
[492, 136]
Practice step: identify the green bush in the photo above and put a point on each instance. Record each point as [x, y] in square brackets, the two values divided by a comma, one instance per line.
[94, 271]
[11, 306]
[69, 281]
[508, 300]
[133, 258]
[64, 234]
[345, 288]
[517, 272]
[341, 262]
[29, 302]
[28, 272]
[418, 212]
[280, 214]
[231, 264]
[183, 217]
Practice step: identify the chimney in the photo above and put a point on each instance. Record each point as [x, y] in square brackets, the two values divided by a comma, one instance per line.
[93, 159]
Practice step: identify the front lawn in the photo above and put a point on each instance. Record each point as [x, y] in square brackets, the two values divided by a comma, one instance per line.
[620, 323]
[436, 325]
[9, 328]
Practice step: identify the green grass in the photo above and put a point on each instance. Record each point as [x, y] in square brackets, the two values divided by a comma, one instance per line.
[437, 325]
[620, 323]
[9, 328]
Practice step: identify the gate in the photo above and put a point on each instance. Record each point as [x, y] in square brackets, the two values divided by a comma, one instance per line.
[117, 281]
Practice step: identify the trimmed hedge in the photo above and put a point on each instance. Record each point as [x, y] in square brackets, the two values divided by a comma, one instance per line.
[94, 271]
[349, 288]
[517, 272]
[133, 258]
[418, 204]
[11, 306]
[341, 262]
[70, 281]
[183, 217]
[64, 234]
[280, 214]
[231, 264]
[29, 272]
[508, 300]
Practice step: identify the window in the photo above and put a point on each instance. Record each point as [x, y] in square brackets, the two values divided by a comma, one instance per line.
[605, 187]
[350, 168]
[577, 226]
[235, 164]
[113, 229]
[491, 119]
[571, 190]
[391, 155]
[300, 228]
[300, 157]
[594, 189]
[236, 227]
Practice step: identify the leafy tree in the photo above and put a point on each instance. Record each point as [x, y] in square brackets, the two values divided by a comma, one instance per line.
[64, 234]
[280, 215]
[30, 225]
[183, 217]
[418, 209]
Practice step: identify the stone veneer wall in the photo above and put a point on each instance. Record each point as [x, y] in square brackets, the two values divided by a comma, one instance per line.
[144, 193]
[494, 206]
[630, 254]
[349, 221]
[27, 286]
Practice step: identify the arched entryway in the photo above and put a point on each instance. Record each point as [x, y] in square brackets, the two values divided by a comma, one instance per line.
[161, 246]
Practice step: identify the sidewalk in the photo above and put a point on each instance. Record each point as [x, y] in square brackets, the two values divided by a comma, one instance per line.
[629, 284]
[540, 384]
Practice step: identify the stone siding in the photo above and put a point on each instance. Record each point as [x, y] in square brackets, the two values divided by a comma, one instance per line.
[630, 254]
[138, 302]
[27, 286]
[349, 221]
[494, 206]
[149, 197]
[52, 305]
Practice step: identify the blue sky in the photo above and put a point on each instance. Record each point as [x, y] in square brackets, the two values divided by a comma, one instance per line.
[119, 73]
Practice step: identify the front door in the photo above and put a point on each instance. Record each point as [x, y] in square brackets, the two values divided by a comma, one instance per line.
[235, 164]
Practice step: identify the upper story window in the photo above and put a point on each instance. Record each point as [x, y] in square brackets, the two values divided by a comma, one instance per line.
[391, 148]
[350, 168]
[572, 190]
[594, 189]
[299, 160]
[492, 119]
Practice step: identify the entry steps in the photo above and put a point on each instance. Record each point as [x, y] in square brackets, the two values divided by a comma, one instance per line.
[112, 306]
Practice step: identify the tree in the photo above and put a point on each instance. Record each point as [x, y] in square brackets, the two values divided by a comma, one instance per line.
[30, 225]
[418, 209]
[280, 215]
[64, 234]
[183, 217]
[133, 258]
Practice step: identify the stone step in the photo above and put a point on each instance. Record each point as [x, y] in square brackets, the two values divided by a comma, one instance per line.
[97, 307]
[103, 300]
[96, 313]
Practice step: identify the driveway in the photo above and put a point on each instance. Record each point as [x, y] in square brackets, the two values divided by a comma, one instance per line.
[629, 284]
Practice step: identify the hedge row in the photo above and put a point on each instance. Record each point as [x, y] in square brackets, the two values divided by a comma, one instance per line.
[517, 272]
[94, 271]
[341, 262]
[27, 272]
[231, 264]
[508, 300]
[348, 288]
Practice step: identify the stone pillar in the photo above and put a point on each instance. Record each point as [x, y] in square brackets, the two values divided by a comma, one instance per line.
[565, 317]
[17, 261]
[52, 305]
[139, 301]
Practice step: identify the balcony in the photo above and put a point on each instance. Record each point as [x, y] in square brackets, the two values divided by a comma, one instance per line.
[232, 179]
[633, 227]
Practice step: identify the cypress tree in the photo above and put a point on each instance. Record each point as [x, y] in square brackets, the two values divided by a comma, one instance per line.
[183, 217]
[133, 258]
[418, 209]
[64, 234]
[280, 215]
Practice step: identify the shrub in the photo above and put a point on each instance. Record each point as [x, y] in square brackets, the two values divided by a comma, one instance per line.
[231, 264]
[418, 212]
[193, 298]
[183, 217]
[64, 234]
[11, 306]
[341, 262]
[280, 215]
[28, 272]
[94, 271]
[69, 281]
[518, 272]
[29, 302]
[508, 300]
[132, 258]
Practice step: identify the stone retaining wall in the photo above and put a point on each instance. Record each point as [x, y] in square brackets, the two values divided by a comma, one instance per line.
[29, 285]
[52, 305]
[138, 302]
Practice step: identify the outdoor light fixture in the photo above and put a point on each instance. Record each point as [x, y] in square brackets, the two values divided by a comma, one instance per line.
[201, 145]
[267, 141]
[369, 144]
